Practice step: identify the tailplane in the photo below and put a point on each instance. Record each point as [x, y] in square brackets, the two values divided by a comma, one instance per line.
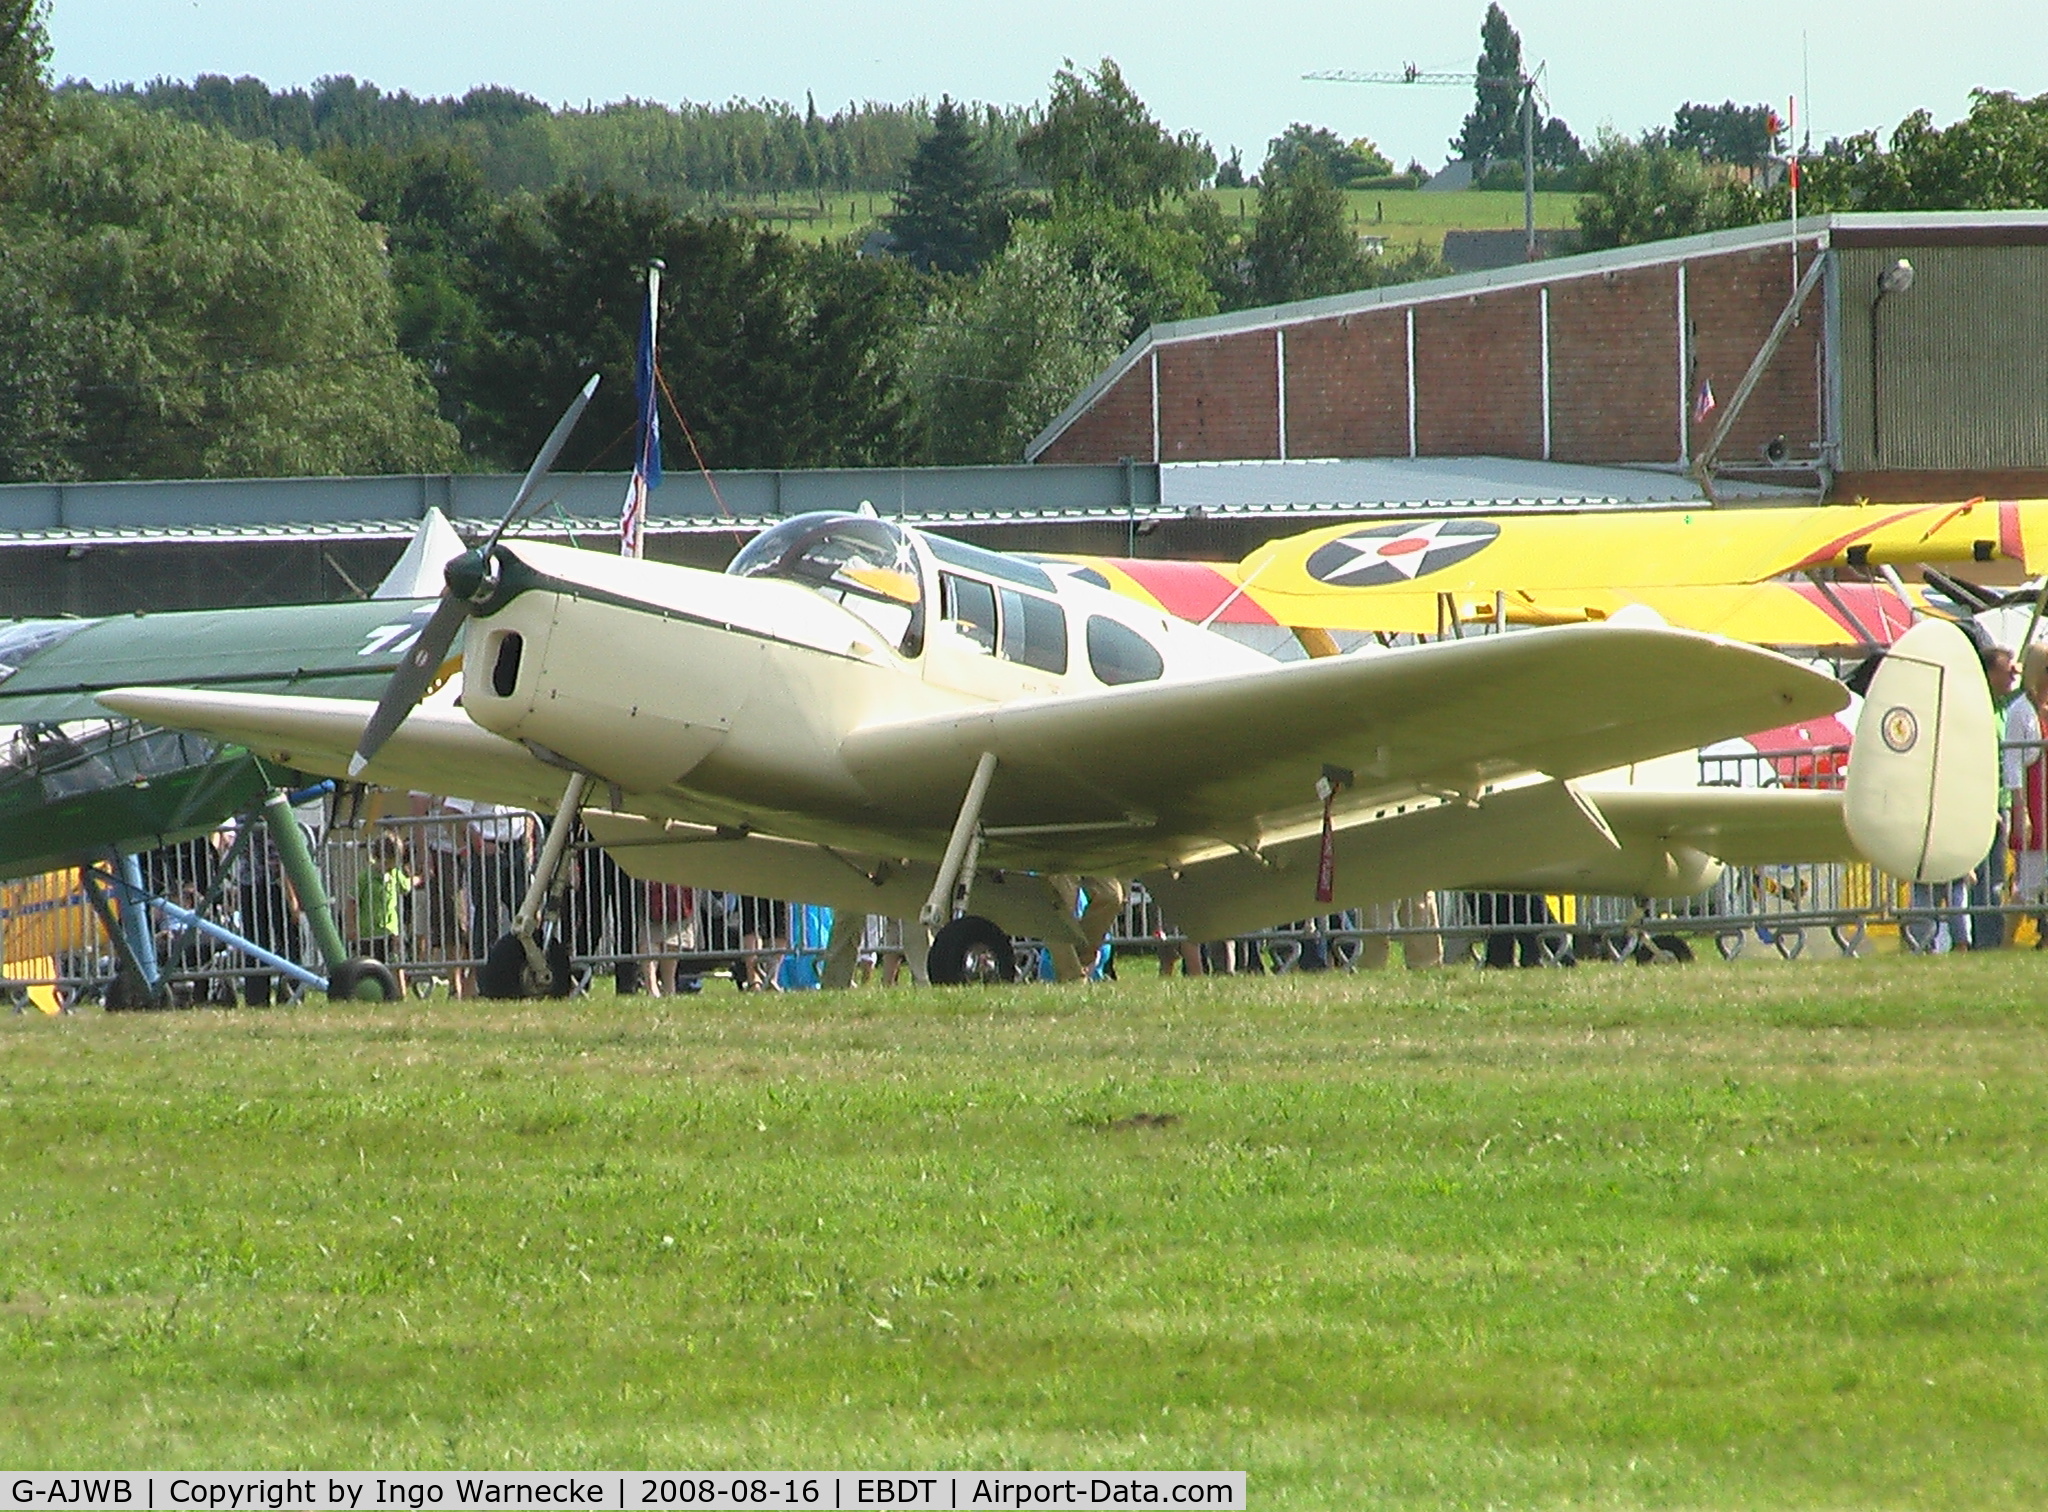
[1922, 799]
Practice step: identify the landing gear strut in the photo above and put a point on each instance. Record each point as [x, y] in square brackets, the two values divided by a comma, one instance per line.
[521, 964]
[968, 948]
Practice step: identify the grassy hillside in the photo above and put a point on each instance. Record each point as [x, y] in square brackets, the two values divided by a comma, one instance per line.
[1403, 216]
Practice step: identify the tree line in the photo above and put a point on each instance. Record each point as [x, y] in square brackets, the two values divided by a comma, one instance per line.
[1730, 165]
[221, 279]
[689, 155]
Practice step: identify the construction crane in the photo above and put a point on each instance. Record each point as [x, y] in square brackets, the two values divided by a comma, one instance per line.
[1525, 84]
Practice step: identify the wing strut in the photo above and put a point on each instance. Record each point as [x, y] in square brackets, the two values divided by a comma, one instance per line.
[938, 908]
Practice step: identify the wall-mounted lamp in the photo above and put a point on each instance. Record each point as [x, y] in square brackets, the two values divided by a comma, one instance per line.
[1896, 277]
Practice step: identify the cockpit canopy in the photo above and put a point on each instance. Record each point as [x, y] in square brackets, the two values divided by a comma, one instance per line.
[865, 564]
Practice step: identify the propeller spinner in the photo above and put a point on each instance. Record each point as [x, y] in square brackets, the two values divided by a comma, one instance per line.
[468, 581]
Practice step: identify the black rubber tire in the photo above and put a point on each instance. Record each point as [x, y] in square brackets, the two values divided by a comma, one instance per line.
[971, 949]
[363, 980]
[1664, 947]
[128, 993]
[508, 975]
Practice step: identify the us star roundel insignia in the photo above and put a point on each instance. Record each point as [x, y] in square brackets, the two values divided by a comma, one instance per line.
[1398, 553]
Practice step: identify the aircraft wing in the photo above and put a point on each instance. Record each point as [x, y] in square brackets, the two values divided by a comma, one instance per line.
[1235, 759]
[436, 750]
[54, 670]
[1775, 613]
[1541, 837]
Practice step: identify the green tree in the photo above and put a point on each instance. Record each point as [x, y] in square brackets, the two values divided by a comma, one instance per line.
[1493, 128]
[42, 346]
[949, 217]
[1746, 135]
[1995, 158]
[1342, 161]
[435, 209]
[232, 316]
[1645, 191]
[776, 356]
[1098, 143]
[998, 357]
[1302, 247]
[1153, 261]
[24, 85]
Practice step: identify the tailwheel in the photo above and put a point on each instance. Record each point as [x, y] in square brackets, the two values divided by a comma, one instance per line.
[510, 970]
[363, 980]
[971, 949]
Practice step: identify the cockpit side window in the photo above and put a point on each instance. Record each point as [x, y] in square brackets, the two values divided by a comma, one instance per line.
[865, 564]
[1034, 631]
[971, 608]
[1118, 654]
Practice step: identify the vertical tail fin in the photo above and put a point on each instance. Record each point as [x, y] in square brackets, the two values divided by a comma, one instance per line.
[1922, 799]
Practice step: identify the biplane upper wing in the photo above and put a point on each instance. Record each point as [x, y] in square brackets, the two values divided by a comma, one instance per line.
[1707, 569]
[54, 670]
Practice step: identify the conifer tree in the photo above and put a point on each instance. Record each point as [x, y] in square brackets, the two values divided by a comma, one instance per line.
[1494, 127]
[948, 218]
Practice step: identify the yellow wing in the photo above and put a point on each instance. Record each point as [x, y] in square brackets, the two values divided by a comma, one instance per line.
[1710, 569]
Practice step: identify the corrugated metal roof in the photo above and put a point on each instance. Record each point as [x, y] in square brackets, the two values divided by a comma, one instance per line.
[1301, 487]
[1580, 265]
[1494, 484]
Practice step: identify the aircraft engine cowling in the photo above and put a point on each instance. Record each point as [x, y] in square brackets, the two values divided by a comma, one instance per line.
[583, 680]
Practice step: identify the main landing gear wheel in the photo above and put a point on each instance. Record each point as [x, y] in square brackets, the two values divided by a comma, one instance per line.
[128, 993]
[1664, 949]
[363, 980]
[507, 971]
[971, 949]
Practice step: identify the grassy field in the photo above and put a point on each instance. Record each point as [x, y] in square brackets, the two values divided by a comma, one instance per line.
[1403, 216]
[1760, 1235]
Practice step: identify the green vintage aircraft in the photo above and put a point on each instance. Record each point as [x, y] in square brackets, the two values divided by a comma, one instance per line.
[81, 788]
[75, 783]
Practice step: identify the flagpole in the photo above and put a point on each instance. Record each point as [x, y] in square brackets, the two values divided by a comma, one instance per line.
[647, 427]
[1792, 174]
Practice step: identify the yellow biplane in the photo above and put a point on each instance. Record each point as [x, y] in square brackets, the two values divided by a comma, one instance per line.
[1768, 575]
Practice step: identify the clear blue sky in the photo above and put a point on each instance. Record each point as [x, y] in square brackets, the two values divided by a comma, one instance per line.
[1231, 71]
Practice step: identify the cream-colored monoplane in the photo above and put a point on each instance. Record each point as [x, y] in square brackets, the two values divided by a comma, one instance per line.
[889, 721]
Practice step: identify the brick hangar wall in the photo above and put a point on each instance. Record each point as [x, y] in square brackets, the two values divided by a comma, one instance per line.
[1623, 382]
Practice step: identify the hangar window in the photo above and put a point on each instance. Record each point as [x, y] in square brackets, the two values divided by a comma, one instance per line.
[1034, 631]
[1118, 654]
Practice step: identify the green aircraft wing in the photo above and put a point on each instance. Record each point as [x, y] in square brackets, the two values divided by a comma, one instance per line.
[66, 796]
[50, 670]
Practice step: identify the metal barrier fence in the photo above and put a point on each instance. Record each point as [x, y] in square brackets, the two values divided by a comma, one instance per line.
[429, 894]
